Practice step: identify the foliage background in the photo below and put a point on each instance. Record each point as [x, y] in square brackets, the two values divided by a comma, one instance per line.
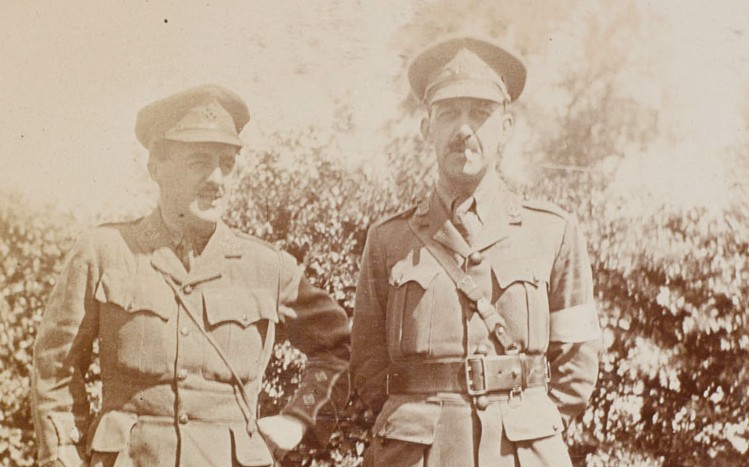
[631, 120]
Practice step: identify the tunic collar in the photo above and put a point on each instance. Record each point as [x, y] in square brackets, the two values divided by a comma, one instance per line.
[177, 235]
[485, 195]
[159, 240]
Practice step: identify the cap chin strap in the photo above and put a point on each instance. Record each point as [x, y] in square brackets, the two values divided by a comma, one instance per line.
[500, 86]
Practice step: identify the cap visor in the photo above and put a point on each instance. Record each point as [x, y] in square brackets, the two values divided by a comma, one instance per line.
[471, 89]
[202, 135]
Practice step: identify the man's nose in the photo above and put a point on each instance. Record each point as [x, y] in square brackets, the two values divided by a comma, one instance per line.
[216, 176]
[465, 131]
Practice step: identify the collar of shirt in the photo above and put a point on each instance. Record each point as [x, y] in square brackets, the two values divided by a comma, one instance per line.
[174, 233]
[177, 236]
[485, 194]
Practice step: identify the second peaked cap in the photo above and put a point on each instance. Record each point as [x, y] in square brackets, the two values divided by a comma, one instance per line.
[466, 66]
[203, 114]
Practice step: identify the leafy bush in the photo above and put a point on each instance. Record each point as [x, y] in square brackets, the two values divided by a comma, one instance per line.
[671, 284]
[32, 246]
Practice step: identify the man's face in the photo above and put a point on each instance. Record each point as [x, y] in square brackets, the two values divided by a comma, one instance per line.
[466, 133]
[195, 181]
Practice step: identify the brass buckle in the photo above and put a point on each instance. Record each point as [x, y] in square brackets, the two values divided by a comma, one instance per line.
[517, 391]
[480, 362]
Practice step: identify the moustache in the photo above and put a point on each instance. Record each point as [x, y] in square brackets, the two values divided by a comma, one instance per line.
[461, 144]
[215, 192]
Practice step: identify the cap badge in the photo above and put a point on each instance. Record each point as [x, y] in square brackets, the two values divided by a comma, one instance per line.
[209, 112]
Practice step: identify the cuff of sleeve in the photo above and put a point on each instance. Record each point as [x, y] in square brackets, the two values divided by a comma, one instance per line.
[322, 394]
[62, 434]
[577, 323]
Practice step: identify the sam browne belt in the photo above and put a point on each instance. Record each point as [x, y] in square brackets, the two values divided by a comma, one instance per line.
[475, 375]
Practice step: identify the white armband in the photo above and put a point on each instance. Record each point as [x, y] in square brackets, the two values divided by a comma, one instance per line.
[577, 323]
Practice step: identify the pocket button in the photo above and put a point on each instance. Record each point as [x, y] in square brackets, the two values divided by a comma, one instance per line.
[482, 402]
[475, 258]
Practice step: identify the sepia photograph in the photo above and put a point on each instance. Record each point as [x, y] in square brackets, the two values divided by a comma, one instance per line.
[480, 233]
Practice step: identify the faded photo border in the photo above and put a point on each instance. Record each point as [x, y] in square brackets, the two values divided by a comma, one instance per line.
[634, 118]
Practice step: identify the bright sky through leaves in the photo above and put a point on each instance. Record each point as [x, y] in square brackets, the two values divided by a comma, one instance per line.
[75, 75]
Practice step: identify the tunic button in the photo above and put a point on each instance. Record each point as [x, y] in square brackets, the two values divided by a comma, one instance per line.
[482, 349]
[183, 418]
[500, 330]
[187, 289]
[475, 258]
[184, 331]
[245, 318]
[181, 374]
[482, 402]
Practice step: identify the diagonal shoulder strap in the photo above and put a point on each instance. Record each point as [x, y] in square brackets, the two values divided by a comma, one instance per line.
[494, 322]
[247, 410]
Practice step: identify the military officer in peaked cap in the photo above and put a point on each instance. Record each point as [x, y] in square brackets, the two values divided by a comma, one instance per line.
[185, 311]
[475, 336]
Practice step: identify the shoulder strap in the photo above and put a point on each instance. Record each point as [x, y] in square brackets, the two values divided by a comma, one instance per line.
[494, 322]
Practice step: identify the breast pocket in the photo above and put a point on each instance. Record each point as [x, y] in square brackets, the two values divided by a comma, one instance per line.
[523, 301]
[411, 303]
[134, 332]
[237, 319]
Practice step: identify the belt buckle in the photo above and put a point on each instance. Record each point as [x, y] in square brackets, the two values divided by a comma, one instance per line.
[479, 361]
[516, 392]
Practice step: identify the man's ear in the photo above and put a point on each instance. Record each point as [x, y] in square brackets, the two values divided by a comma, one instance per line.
[154, 168]
[507, 124]
[425, 128]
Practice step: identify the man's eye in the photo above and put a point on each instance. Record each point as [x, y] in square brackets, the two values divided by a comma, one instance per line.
[446, 113]
[227, 163]
[481, 113]
[196, 163]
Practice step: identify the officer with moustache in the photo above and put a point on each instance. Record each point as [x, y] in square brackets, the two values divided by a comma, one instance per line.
[186, 312]
[475, 335]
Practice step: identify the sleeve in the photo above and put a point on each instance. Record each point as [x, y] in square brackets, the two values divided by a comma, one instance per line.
[62, 354]
[369, 359]
[574, 330]
[319, 328]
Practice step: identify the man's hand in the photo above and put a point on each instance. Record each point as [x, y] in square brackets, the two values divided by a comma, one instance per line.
[281, 432]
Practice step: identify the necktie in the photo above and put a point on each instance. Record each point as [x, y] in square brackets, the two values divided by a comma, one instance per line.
[466, 220]
[185, 254]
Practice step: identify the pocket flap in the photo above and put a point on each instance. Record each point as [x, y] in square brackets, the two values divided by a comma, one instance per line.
[404, 271]
[520, 270]
[534, 417]
[250, 450]
[409, 419]
[240, 306]
[134, 293]
[112, 432]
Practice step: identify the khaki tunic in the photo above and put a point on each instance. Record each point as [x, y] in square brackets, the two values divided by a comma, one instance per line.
[168, 398]
[535, 269]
